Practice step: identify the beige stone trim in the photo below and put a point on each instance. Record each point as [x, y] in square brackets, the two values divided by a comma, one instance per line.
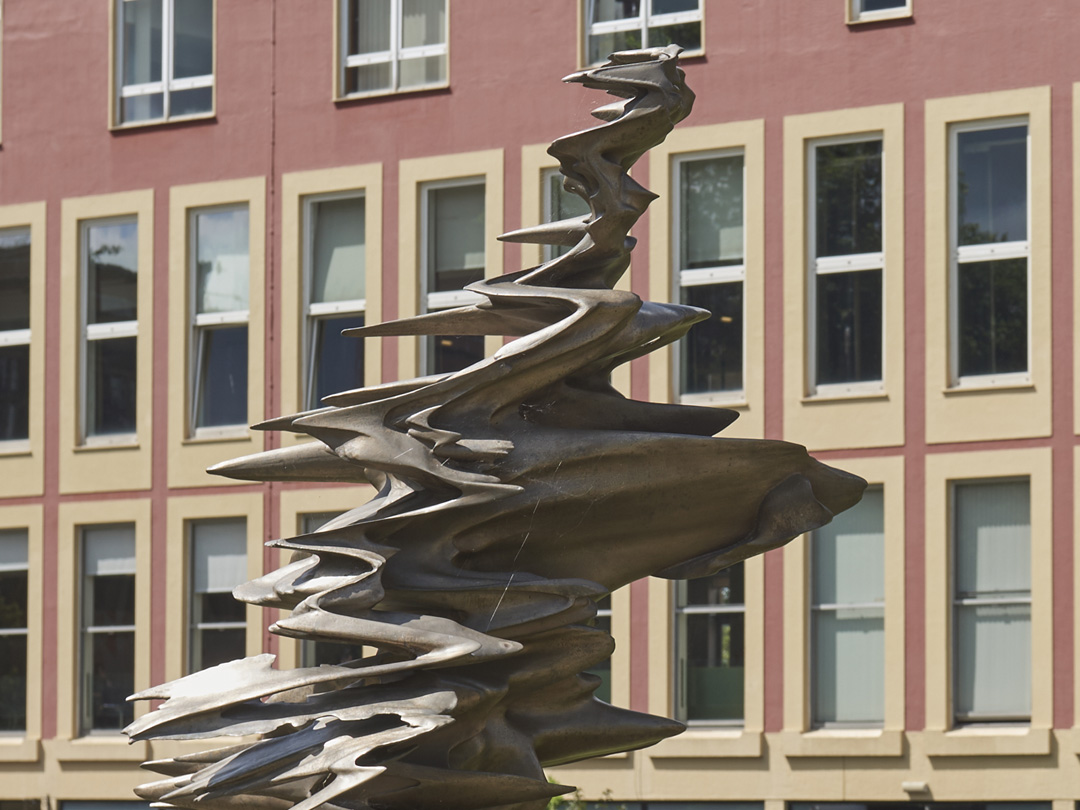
[941, 471]
[366, 180]
[21, 462]
[181, 511]
[73, 518]
[26, 747]
[86, 467]
[1076, 260]
[189, 457]
[861, 418]
[412, 175]
[1003, 412]
[748, 136]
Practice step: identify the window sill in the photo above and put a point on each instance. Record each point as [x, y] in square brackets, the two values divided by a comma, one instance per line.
[107, 748]
[847, 742]
[385, 93]
[697, 743]
[988, 387]
[231, 433]
[987, 741]
[125, 442]
[162, 122]
[15, 447]
[882, 16]
[839, 394]
[725, 399]
[19, 749]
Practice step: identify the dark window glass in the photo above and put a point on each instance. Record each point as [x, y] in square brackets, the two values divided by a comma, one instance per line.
[687, 35]
[339, 360]
[191, 102]
[12, 600]
[713, 645]
[110, 670]
[111, 386]
[992, 185]
[14, 392]
[13, 682]
[711, 212]
[562, 204]
[223, 377]
[454, 352]
[992, 305]
[112, 267]
[602, 45]
[712, 352]
[14, 280]
[848, 191]
[317, 653]
[882, 5]
[193, 35]
[849, 327]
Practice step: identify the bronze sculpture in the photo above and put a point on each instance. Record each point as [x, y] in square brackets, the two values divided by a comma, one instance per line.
[512, 495]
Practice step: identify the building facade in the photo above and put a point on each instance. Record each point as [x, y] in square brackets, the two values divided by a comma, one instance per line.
[876, 199]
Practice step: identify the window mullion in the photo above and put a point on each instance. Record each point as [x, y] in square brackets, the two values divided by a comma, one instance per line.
[167, 24]
[395, 43]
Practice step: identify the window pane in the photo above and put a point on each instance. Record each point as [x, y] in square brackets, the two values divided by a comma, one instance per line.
[339, 360]
[213, 647]
[711, 212]
[221, 250]
[14, 392]
[368, 26]
[456, 234]
[723, 588]
[142, 108]
[561, 204]
[712, 351]
[368, 78]
[992, 185]
[13, 683]
[674, 6]
[418, 72]
[848, 194]
[848, 664]
[423, 22]
[12, 600]
[338, 261]
[993, 661]
[602, 45]
[223, 377]
[849, 554]
[606, 10]
[993, 538]
[110, 386]
[218, 564]
[141, 41]
[686, 35]
[992, 303]
[191, 102]
[112, 266]
[109, 666]
[193, 36]
[882, 5]
[715, 668]
[454, 352]
[849, 327]
[603, 669]
[14, 279]
[108, 575]
[317, 653]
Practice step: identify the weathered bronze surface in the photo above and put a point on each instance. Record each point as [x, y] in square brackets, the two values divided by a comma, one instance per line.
[511, 496]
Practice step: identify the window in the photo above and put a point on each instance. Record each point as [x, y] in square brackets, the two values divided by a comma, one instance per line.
[560, 204]
[218, 564]
[872, 10]
[14, 575]
[220, 272]
[710, 273]
[108, 626]
[989, 249]
[846, 265]
[110, 328]
[335, 273]
[710, 641]
[847, 620]
[621, 25]
[392, 45]
[317, 653]
[992, 601]
[602, 670]
[164, 59]
[452, 250]
[14, 334]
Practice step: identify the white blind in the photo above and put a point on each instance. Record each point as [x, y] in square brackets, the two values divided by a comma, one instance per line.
[993, 537]
[223, 285]
[458, 228]
[338, 261]
[712, 212]
[13, 550]
[849, 554]
[109, 550]
[219, 555]
[423, 22]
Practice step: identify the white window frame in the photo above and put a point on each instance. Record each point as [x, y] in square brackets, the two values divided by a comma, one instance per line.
[314, 312]
[857, 15]
[392, 57]
[15, 337]
[839, 264]
[642, 23]
[168, 84]
[979, 253]
[956, 601]
[201, 323]
[704, 276]
[431, 301]
[679, 684]
[99, 331]
[10, 632]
